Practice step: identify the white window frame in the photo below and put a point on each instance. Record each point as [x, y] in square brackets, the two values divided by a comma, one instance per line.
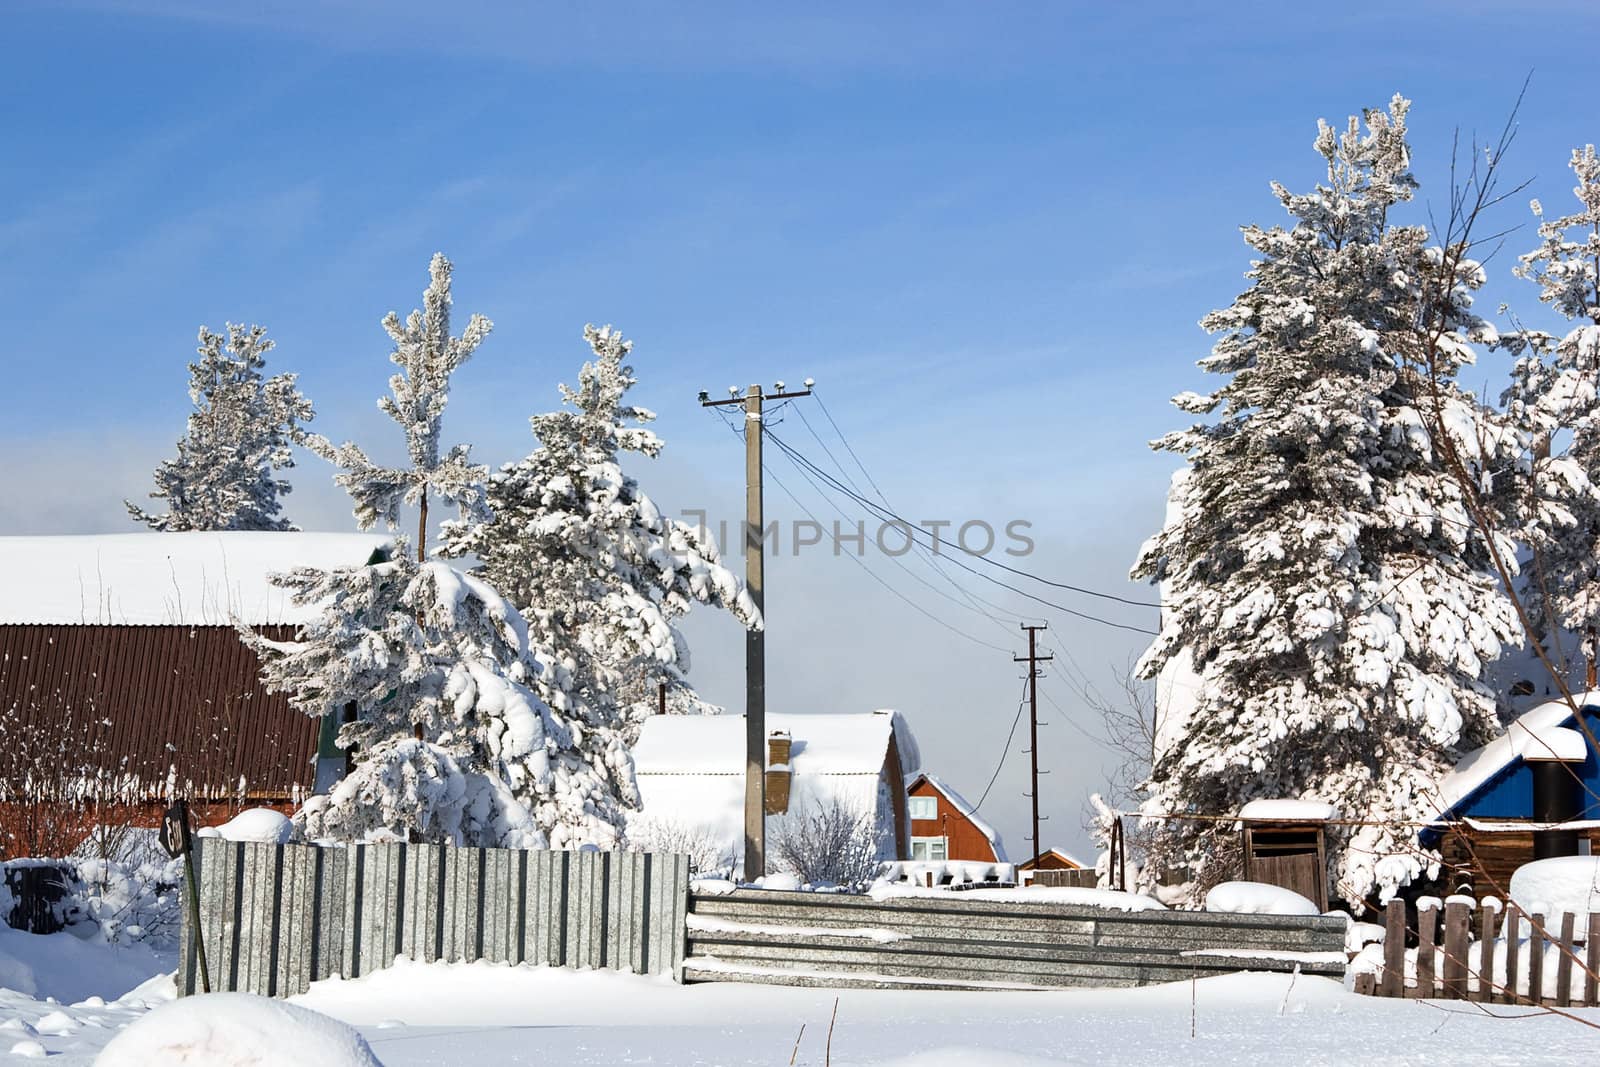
[931, 804]
[929, 844]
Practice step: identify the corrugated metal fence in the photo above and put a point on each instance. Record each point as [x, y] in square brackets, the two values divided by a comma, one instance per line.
[277, 917]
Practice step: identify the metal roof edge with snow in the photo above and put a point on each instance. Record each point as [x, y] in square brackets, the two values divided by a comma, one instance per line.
[1478, 771]
[199, 578]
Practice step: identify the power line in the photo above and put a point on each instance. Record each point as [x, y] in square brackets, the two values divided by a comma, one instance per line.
[923, 552]
[995, 563]
[1022, 702]
[913, 531]
[861, 563]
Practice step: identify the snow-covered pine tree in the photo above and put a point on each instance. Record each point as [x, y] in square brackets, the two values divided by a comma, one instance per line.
[1324, 572]
[427, 355]
[1553, 397]
[600, 573]
[453, 744]
[238, 435]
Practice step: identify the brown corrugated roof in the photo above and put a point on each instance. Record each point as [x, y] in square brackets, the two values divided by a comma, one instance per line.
[146, 702]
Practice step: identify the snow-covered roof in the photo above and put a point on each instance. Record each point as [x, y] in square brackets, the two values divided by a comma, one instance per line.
[165, 579]
[1061, 853]
[820, 744]
[690, 768]
[1285, 810]
[968, 811]
[1474, 770]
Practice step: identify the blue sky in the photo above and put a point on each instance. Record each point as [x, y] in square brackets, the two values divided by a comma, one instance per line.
[987, 230]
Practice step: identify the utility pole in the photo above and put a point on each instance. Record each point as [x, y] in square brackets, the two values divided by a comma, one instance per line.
[755, 648]
[1033, 659]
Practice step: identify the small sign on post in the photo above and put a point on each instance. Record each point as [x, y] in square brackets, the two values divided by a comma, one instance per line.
[178, 841]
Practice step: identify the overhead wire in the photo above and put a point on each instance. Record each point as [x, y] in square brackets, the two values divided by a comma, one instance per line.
[995, 563]
[861, 563]
[913, 531]
[1022, 702]
[930, 557]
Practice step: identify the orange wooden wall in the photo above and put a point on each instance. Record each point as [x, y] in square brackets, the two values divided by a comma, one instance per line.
[965, 841]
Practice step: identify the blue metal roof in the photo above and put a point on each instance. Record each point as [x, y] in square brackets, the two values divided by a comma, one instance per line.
[1508, 792]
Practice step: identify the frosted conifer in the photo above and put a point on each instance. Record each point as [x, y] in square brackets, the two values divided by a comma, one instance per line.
[427, 355]
[1553, 397]
[452, 742]
[599, 572]
[1322, 568]
[238, 435]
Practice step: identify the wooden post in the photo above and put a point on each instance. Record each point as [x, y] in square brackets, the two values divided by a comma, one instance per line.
[1564, 965]
[1365, 984]
[1512, 931]
[1427, 919]
[1394, 949]
[1536, 960]
[1485, 991]
[1456, 937]
[1591, 994]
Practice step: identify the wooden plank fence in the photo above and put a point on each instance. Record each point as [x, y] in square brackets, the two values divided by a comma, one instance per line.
[1489, 954]
[275, 918]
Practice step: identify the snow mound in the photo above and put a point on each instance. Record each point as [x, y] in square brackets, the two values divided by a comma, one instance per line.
[254, 824]
[71, 969]
[236, 1030]
[1560, 885]
[1258, 898]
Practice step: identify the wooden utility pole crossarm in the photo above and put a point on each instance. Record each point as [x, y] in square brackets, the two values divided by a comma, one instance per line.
[1033, 659]
[755, 651]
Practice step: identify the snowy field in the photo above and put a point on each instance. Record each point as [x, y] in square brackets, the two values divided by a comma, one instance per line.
[482, 1014]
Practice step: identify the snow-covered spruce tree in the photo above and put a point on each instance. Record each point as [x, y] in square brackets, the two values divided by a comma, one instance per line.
[453, 744]
[427, 355]
[239, 434]
[598, 571]
[1553, 397]
[1323, 570]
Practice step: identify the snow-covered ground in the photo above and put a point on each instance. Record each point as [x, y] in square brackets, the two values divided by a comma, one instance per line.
[483, 1014]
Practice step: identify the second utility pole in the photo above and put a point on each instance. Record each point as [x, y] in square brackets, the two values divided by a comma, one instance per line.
[1033, 660]
[755, 647]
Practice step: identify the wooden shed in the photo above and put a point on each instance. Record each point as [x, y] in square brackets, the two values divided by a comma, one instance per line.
[123, 676]
[1284, 843]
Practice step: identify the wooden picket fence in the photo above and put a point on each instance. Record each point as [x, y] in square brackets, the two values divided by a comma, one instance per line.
[1489, 954]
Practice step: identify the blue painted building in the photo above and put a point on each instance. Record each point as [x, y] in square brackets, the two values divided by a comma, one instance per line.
[1486, 817]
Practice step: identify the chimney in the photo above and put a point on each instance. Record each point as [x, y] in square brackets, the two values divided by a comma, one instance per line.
[1555, 756]
[778, 776]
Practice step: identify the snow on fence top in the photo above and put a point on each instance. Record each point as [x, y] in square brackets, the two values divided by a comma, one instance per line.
[1475, 770]
[165, 579]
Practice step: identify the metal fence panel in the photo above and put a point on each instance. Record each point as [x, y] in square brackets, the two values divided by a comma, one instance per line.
[275, 918]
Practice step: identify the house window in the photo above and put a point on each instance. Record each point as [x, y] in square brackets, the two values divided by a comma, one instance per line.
[928, 849]
[923, 807]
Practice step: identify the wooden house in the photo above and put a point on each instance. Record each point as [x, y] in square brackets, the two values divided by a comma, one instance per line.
[1528, 794]
[1052, 859]
[121, 663]
[944, 826]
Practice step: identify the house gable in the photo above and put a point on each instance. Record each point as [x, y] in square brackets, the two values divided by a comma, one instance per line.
[955, 823]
